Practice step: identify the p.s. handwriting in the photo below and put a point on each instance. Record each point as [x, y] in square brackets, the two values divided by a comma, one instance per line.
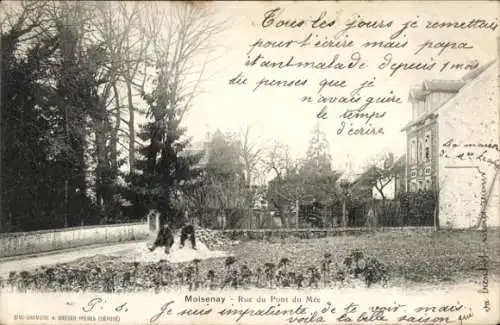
[98, 303]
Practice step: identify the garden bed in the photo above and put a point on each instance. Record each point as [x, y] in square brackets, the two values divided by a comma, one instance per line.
[398, 259]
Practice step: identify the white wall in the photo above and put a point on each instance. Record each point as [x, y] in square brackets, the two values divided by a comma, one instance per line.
[21, 243]
[389, 191]
[470, 118]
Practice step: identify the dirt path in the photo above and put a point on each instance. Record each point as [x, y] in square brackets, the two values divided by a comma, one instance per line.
[131, 251]
[26, 263]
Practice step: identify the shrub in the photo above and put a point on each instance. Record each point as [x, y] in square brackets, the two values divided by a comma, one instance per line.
[368, 269]
[418, 208]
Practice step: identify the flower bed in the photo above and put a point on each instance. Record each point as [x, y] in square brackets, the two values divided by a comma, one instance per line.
[402, 259]
[109, 274]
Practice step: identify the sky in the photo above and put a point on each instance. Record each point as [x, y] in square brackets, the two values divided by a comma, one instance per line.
[276, 114]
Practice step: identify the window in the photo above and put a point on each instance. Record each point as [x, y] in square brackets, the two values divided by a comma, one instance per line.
[420, 151]
[413, 173]
[413, 151]
[427, 171]
[428, 184]
[413, 186]
[427, 147]
[420, 185]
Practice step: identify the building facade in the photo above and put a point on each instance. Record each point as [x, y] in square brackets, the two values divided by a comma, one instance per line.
[452, 147]
[422, 133]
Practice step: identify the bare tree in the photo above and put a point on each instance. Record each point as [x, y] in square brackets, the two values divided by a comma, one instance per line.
[285, 188]
[251, 154]
[183, 47]
[127, 30]
[20, 22]
[137, 45]
[214, 194]
[381, 171]
[112, 28]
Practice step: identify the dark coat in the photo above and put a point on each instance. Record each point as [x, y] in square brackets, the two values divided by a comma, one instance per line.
[165, 237]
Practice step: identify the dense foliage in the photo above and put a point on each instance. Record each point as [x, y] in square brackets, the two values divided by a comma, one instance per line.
[162, 169]
[310, 181]
[74, 77]
[50, 105]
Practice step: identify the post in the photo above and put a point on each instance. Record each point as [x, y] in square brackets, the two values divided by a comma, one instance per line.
[250, 225]
[436, 211]
[2, 220]
[66, 203]
[66, 122]
[297, 208]
[157, 221]
[345, 189]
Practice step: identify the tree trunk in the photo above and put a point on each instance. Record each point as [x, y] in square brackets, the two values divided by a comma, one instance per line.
[297, 214]
[250, 224]
[100, 143]
[344, 213]
[114, 136]
[66, 209]
[284, 221]
[381, 192]
[131, 128]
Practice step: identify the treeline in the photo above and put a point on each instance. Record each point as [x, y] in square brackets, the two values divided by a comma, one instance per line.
[76, 77]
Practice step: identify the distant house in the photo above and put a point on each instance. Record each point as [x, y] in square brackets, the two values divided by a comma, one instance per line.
[395, 183]
[388, 178]
[199, 147]
[452, 146]
[362, 184]
[400, 175]
[259, 197]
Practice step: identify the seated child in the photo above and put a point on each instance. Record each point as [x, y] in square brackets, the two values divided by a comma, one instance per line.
[164, 238]
[188, 231]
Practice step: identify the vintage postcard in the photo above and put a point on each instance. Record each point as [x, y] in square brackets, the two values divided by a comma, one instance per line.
[249, 162]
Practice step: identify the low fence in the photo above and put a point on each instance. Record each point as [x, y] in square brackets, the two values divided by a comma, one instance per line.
[22, 243]
[33, 242]
[303, 233]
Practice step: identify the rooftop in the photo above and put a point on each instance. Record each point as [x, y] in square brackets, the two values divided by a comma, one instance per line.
[419, 92]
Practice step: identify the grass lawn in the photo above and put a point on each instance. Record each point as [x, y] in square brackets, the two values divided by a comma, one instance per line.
[410, 257]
